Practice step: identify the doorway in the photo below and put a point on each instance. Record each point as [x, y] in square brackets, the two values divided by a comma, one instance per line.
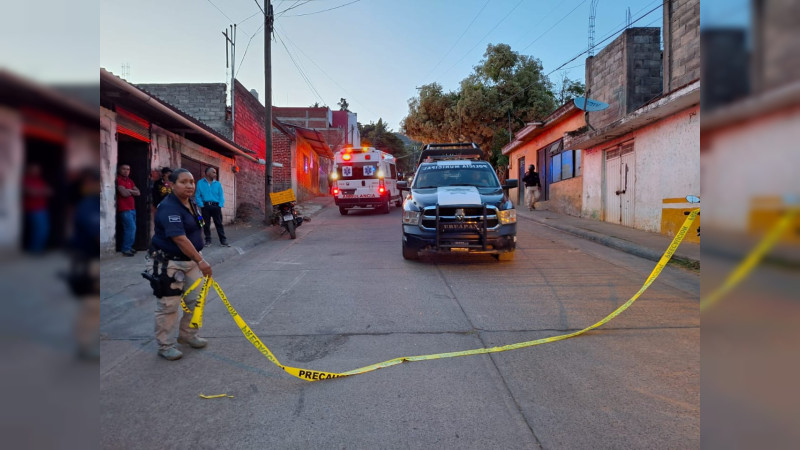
[136, 154]
[620, 185]
[49, 156]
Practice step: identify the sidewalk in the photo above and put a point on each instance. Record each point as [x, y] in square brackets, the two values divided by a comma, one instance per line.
[118, 273]
[644, 244]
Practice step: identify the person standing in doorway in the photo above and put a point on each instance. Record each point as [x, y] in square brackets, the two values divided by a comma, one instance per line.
[532, 185]
[126, 208]
[162, 187]
[36, 195]
[211, 200]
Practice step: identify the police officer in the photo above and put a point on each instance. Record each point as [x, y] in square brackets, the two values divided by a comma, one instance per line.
[177, 263]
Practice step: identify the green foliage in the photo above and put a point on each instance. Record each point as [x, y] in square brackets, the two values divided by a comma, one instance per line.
[505, 85]
[378, 135]
[569, 89]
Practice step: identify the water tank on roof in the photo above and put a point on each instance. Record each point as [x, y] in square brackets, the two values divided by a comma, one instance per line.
[255, 93]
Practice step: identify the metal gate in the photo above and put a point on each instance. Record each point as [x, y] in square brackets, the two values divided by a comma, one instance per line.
[620, 184]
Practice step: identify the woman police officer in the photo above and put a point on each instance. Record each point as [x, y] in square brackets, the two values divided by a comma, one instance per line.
[176, 247]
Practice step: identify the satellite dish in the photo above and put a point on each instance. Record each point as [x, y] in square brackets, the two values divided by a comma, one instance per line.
[589, 104]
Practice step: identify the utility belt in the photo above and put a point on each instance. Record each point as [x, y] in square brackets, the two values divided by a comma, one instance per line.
[158, 278]
[210, 204]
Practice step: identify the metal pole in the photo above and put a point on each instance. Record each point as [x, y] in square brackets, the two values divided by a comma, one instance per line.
[268, 20]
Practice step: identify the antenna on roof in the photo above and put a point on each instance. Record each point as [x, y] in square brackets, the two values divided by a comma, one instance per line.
[592, 16]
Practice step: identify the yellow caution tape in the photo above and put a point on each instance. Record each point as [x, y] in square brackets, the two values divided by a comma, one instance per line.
[216, 396]
[314, 375]
[752, 260]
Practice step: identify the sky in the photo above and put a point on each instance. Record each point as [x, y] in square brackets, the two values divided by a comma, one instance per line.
[374, 53]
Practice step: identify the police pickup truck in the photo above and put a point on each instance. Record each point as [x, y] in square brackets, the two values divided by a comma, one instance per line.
[458, 206]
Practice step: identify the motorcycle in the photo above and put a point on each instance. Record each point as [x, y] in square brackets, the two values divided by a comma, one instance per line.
[285, 215]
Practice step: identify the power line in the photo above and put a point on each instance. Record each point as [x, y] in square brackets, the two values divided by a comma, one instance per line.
[457, 40]
[299, 69]
[484, 37]
[324, 10]
[554, 25]
[220, 11]
[248, 46]
[297, 4]
[510, 98]
[325, 73]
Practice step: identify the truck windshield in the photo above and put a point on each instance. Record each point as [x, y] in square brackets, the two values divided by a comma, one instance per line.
[442, 176]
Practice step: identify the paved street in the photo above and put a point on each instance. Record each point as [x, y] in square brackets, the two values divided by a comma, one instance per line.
[341, 297]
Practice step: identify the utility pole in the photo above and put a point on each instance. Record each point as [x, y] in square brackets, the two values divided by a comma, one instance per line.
[268, 21]
[231, 40]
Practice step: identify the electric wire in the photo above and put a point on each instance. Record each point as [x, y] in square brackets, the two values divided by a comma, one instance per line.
[324, 10]
[247, 47]
[457, 40]
[300, 50]
[510, 98]
[300, 69]
[484, 37]
[554, 25]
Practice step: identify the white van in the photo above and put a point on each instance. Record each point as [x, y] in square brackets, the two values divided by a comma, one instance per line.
[364, 177]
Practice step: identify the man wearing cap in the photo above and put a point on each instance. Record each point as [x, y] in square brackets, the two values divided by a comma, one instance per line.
[162, 187]
[211, 200]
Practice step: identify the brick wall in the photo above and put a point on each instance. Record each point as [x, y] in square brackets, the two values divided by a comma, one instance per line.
[681, 42]
[250, 183]
[203, 101]
[282, 153]
[249, 121]
[626, 74]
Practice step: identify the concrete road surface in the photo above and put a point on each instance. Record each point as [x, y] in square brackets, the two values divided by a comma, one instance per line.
[341, 297]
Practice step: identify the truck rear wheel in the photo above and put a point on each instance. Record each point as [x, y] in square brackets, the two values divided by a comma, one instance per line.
[384, 209]
[343, 210]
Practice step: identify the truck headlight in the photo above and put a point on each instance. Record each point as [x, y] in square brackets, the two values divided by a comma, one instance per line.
[411, 217]
[507, 216]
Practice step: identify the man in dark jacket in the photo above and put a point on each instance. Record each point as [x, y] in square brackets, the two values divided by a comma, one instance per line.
[532, 186]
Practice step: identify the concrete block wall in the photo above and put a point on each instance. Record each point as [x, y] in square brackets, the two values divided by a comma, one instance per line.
[626, 74]
[776, 35]
[682, 43]
[205, 102]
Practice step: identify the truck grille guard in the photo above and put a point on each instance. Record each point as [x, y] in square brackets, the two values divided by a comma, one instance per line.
[483, 219]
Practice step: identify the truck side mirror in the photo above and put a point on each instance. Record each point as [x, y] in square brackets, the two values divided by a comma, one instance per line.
[402, 185]
[511, 184]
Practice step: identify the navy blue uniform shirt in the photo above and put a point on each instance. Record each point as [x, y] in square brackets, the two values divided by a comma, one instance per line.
[174, 219]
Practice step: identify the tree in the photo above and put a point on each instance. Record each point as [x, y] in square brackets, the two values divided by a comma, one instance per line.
[315, 105]
[569, 89]
[343, 105]
[378, 135]
[504, 86]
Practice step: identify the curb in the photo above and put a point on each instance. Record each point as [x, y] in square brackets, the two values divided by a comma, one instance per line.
[617, 243]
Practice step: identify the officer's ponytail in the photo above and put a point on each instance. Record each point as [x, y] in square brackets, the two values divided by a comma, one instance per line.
[173, 177]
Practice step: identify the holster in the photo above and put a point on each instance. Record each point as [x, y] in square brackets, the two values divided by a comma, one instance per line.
[159, 280]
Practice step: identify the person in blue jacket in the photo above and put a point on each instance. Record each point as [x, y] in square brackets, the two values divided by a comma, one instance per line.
[211, 200]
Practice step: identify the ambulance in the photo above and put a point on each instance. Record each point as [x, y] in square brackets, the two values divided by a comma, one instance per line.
[364, 178]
